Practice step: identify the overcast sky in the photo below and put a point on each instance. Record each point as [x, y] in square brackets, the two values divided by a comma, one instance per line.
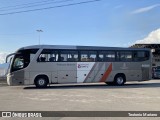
[102, 23]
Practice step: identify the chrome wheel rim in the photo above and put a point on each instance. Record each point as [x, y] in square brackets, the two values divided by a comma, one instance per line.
[120, 80]
[41, 82]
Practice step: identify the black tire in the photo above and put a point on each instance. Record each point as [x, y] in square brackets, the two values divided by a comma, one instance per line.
[119, 80]
[41, 82]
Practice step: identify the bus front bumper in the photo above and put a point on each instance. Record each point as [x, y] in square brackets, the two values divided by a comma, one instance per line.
[13, 81]
[9, 79]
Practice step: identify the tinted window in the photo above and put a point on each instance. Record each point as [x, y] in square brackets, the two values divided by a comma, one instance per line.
[125, 56]
[88, 56]
[70, 56]
[157, 71]
[106, 56]
[48, 55]
[140, 55]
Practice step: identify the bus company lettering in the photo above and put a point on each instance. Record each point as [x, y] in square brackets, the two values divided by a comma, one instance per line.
[83, 65]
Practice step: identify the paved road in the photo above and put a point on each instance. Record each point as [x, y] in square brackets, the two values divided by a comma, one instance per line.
[135, 96]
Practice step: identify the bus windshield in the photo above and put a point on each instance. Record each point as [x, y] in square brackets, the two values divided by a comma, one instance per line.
[22, 59]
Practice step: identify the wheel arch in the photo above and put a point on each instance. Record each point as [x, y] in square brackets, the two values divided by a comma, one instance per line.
[120, 74]
[41, 75]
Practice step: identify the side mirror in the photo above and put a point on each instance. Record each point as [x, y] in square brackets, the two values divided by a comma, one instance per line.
[9, 56]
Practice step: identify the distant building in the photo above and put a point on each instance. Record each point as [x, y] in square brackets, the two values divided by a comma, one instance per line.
[155, 48]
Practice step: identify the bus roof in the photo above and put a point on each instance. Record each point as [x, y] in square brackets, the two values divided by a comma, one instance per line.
[74, 47]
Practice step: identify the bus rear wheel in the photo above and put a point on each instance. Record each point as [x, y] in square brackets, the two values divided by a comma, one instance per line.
[119, 79]
[41, 82]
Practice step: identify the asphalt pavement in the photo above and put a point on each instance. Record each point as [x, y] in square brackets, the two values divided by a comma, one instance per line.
[133, 96]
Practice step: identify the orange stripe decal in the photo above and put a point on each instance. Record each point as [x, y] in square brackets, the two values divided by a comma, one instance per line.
[106, 74]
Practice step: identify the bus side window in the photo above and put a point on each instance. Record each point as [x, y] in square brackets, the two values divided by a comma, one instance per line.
[42, 59]
[100, 57]
[92, 56]
[48, 55]
[84, 56]
[107, 56]
[62, 59]
[69, 55]
[110, 56]
[125, 56]
[135, 58]
[52, 59]
[88, 56]
[146, 55]
[141, 55]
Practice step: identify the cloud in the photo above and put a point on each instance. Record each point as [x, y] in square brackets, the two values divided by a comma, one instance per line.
[3, 56]
[145, 9]
[152, 38]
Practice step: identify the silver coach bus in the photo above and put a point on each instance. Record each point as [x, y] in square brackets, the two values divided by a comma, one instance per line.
[42, 65]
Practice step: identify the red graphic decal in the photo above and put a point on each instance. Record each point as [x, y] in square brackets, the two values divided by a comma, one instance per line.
[106, 74]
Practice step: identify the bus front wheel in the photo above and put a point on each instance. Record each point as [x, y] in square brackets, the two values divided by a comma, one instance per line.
[41, 82]
[119, 79]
